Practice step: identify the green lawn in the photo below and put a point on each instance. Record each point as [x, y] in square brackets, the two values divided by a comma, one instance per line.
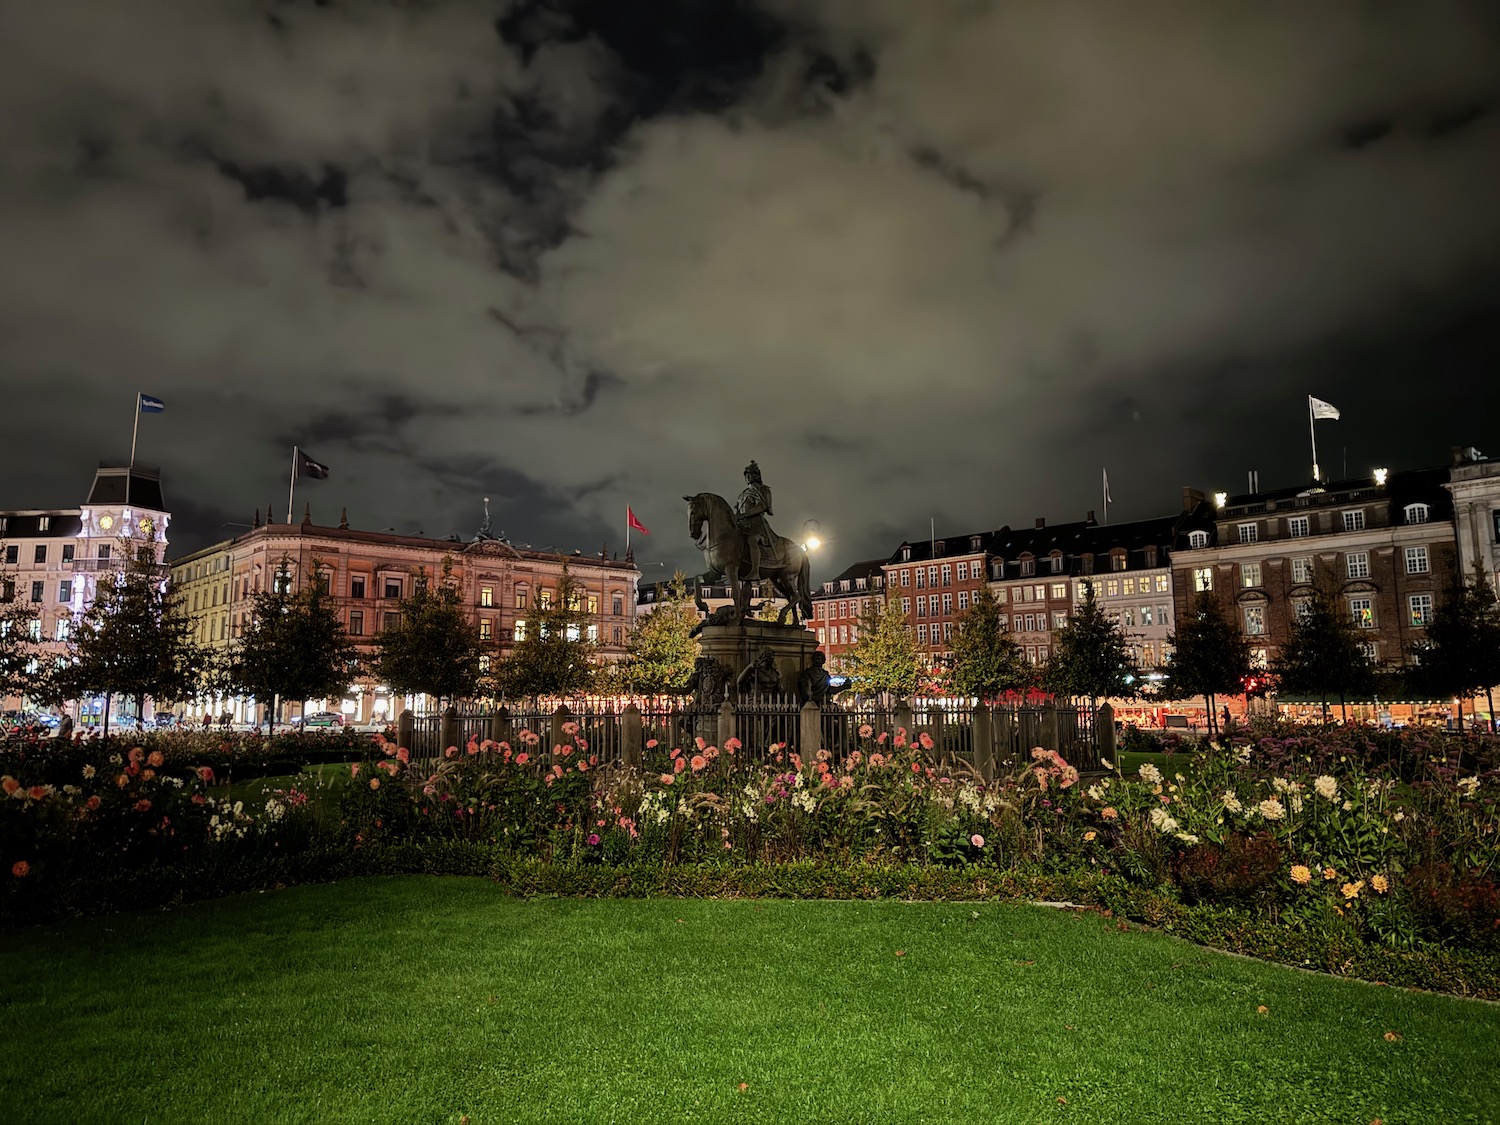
[424, 999]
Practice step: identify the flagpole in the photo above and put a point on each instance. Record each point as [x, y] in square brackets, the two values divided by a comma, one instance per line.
[1313, 434]
[134, 433]
[627, 529]
[291, 491]
[1106, 496]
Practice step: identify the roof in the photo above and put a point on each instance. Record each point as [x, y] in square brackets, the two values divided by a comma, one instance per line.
[866, 570]
[1072, 540]
[121, 484]
[62, 523]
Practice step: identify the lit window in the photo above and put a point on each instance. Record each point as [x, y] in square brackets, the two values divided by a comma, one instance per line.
[486, 596]
[1059, 620]
[1250, 574]
[485, 629]
[1302, 571]
[1297, 527]
[1163, 583]
[484, 662]
[1416, 560]
[593, 634]
[1197, 540]
[1255, 620]
[1302, 607]
[1354, 520]
[1127, 617]
[1117, 561]
[521, 630]
[1358, 564]
[1146, 615]
[1421, 609]
[1363, 612]
[1203, 579]
[1417, 513]
[1112, 588]
[1249, 533]
[1059, 589]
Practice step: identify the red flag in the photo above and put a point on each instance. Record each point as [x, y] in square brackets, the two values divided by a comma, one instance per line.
[634, 523]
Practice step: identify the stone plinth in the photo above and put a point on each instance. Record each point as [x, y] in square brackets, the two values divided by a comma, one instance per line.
[738, 645]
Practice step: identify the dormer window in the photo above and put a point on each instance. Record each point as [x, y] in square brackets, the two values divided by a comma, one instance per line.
[44, 523]
[1197, 540]
[1417, 513]
[1028, 567]
[906, 554]
[1354, 519]
[1057, 563]
[973, 542]
[1117, 561]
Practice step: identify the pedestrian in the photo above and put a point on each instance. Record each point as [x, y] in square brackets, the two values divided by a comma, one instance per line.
[64, 732]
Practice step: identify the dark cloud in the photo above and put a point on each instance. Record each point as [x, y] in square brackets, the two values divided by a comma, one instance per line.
[930, 263]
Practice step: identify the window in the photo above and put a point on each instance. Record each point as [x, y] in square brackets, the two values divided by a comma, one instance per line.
[592, 603]
[40, 554]
[44, 523]
[1086, 564]
[617, 633]
[486, 596]
[1163, 583]
[1197, 540]
[1255, 620]
[1416, 513]
[1416, 560]
[1302, 608]
[1117, 561]
[821, 637]
[947, 631]
[104, 550]
[1354, 520]
[12, 554]
[906, 574]
[617, 604]
[1249, 533]
[37, 589]
[1111, 587]
[922, 605]
[543, 599]
[356, 585]
[356, 623]
[1059, 620]
[932, 572]
[1363, 612]
[1371, 651]
[1250, 574]
[1421, 609]
[1146, 615]
[922, 633]
[521, 630]
[1004, 623]
[1028, 567]
[1059, 589]
[922, 579]
[67, 552]
[486, 629]
[947, 574]
[906, 607]
[1358, 564]
[963, 600]
[63, 626]
[1031, 623]
[947, 603]
[1296, 527]
[1127, 587]
[65, 590]
[392, 588]
[520, 597]
[1302, 571]
[1203, 579]
[391, 621]
[1127, 617]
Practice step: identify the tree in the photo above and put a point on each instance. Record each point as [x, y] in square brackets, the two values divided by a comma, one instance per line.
[885, 659]
[294, 646]
[555, 657]
[134, 640]
[1324, 656]
[1460, 654]
[434, 646]
[660, 652]
[1090, 655]
[986, 661]
[20, 645]
[1209, 656]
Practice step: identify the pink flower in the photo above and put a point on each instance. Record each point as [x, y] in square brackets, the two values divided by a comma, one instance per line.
[583, 767]
[699, 761]
[374, 783]
[882, 737]
[451, 752]
[206, 775]
[10, 785]
[865, 730]
[593, 839]
[651, 744]
[582, 743]
[700, 742]
[916, 768]
[135, 755]
[570, 728]
[389, 767]
[403, 754]
[977, 840]
[472, 749]
[20, 869]
[678, 765]
[733, 744]
[667, 779]
[557, 771]
[354, 769]
[926, 740]
[93, 803]
[562, 750]
[36, 792]
[155, 759]
[143, 805]
[522, 758]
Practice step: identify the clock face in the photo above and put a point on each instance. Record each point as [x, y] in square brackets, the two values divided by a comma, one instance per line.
[106, 522]
[146, 526]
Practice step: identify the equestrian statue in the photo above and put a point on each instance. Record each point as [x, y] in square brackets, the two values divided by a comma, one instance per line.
[739, 545]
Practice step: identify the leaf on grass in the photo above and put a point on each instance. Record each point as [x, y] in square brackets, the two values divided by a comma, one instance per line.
[1070, 1027]
[1262, 1010]
[900, 953]
[679, 920]
[1025, 962]
[1392, 1036]
[464, 1119]
[1062, 1101]
[744, 1086]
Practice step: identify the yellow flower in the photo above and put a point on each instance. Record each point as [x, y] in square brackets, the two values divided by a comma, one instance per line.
[1301, 875]
[1351, 890]
[1330, 874]
[1090, 834]
[1380, 883]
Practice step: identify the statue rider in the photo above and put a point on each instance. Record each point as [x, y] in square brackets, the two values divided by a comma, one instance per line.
[750, 512]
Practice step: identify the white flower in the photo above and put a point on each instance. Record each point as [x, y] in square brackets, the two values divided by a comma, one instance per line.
[1094, 793]
[88, 772]
[1347, 805]
[1231, 801]
[275, 810]
[1468, 785]
[1150, 774]
[1187, 837]
[1326, 787]
[1297, 802]
[1242, 755]
[1280, 784]
[1161, 821]
[115, 759]
[1271, 809]
[1399, 817]
[1106, 763]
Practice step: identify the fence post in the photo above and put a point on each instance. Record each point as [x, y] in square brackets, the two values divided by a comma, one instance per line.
[904, 720]
[1005, 735]
[406, 728]
[1049, 728]
[984, 741]
[559, 717]
[631, 736]
[1104, 732]
[500, 724]
[811, 734]
[448, 735]
[726, 722]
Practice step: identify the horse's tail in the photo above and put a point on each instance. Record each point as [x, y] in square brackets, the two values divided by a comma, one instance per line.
[804, 586]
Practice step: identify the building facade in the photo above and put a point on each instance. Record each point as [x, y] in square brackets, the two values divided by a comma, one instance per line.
[1474, 484]
[839, 603]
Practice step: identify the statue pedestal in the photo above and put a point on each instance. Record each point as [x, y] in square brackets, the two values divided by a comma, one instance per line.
[737, 646]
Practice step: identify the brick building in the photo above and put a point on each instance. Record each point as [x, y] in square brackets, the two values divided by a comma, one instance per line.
[839, 603]
[1386, 543]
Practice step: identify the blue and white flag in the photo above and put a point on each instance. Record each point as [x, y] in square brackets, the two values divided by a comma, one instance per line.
[151, 405]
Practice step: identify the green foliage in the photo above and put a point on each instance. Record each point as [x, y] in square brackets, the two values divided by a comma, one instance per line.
[555, 658]
[660, 653]
[135, 639]
[1323, 656]
[885, 659]
[1090, 655]
[986, 661]
[434, 648]
[1209, 656]
[294, 646]
[1460, 654]
[20, 651]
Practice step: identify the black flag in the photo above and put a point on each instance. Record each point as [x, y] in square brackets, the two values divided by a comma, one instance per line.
[307, 467]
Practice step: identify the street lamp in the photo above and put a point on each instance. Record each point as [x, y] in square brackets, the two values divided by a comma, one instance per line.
[810, 540]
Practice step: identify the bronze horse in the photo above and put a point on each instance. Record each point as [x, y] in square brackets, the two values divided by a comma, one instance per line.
[726, 555]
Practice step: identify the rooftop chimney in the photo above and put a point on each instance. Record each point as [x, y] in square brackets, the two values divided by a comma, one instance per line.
[1040, 523]
[1091, 517]
[1191, 498]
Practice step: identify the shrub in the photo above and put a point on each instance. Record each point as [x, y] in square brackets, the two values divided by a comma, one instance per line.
[1241, 871]
[1455, 906]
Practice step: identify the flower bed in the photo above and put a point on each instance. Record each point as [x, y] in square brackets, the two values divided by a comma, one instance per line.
[1344, 837]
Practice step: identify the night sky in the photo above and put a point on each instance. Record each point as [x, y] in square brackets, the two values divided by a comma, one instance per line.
[941, 259]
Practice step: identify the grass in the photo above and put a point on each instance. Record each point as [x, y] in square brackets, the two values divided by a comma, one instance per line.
[422, 999]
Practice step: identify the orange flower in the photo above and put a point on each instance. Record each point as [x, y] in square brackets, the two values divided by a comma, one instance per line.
[1108, 812]
[20, 869]
[699, 762]
[143, 805]
[36, 792]
[122, 781]
[1301, 874]
[1380, 884]
[1090, 834]
[155, 759]
[11, 786]
[1330, 874]
[374, 783]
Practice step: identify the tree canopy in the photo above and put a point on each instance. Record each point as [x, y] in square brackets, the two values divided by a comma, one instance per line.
[21, 673]
[987, 662]
[1209, 656]
[885, 659]
[1460, 653]
[1090, 655]
[434, 647]
[555, 657]
[294, 646]
[660, 652]
[1325, 654]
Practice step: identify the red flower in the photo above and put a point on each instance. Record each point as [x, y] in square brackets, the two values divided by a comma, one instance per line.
[155, 759]
[206, 775]
[20, 869]
[143, 805]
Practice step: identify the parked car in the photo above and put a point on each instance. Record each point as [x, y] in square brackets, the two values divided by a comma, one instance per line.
[323, 719]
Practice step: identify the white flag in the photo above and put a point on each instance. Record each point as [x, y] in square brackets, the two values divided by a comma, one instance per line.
[1321, 409]
[1107, 497]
